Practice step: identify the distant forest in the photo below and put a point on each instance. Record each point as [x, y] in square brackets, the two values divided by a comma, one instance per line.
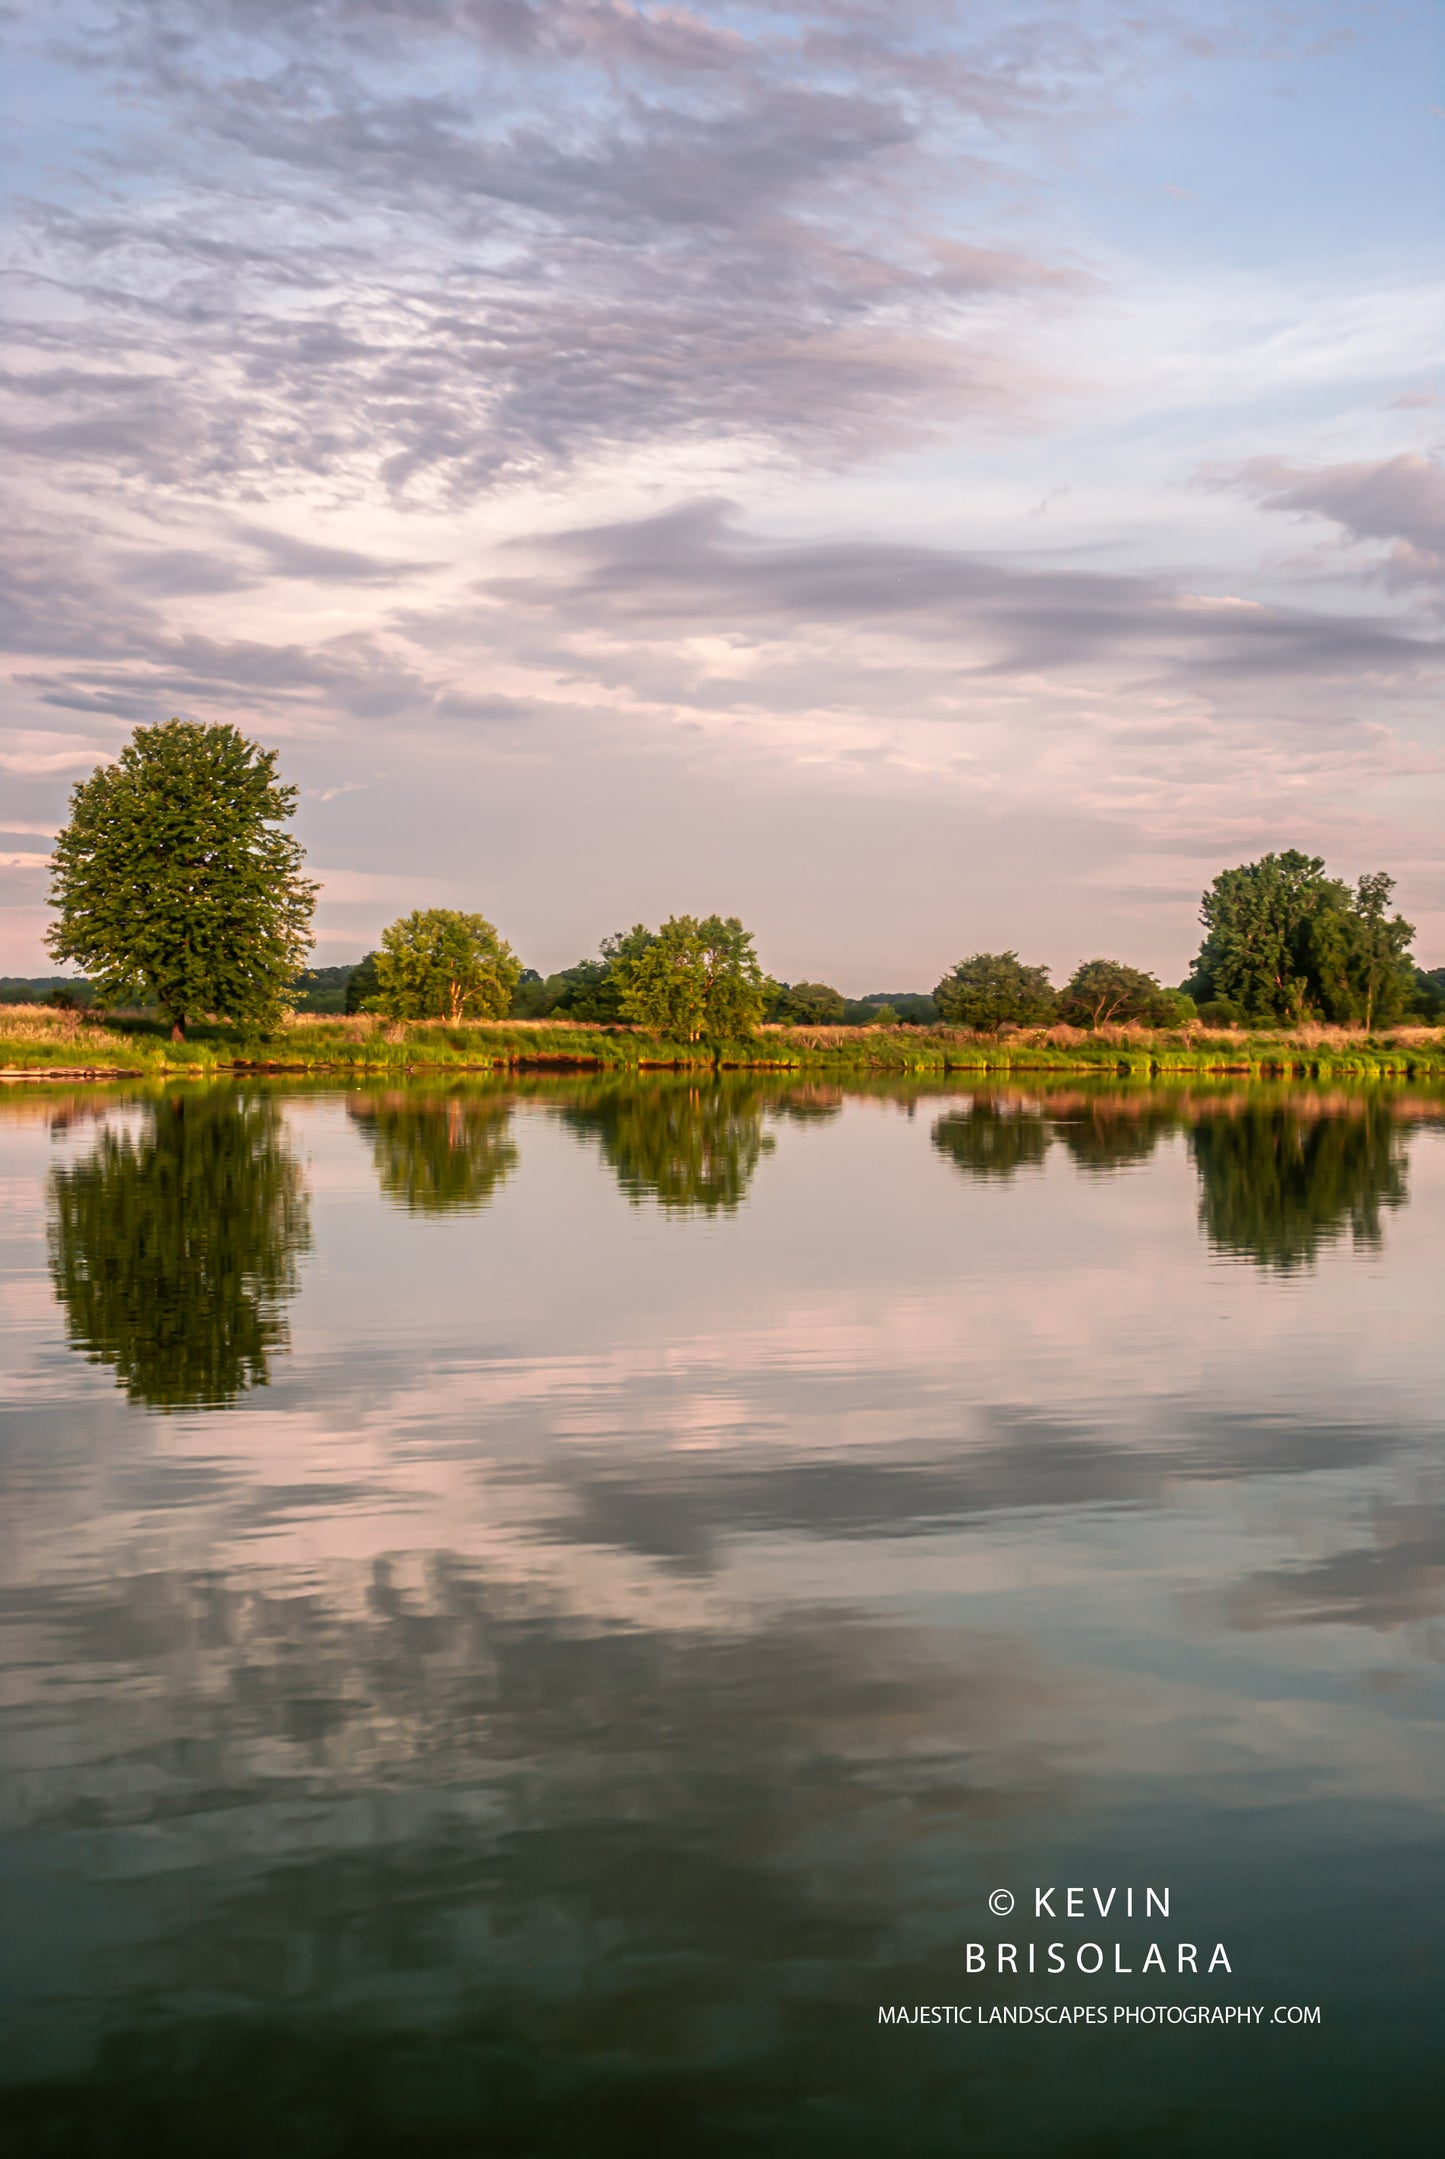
[323, 990]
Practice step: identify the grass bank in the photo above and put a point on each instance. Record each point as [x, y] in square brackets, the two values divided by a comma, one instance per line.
[37, 1042]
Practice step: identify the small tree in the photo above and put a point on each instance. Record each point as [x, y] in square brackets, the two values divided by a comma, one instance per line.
[693, 978]
[1383, 971]
[994, 988]
[438, 964]
[1105, 993]
[172, 882]
[362, 986]
[807, 1004]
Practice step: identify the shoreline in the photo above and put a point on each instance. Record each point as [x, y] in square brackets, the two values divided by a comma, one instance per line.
[48, 1047]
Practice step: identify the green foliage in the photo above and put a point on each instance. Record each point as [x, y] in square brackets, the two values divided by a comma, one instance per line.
[66, 992]
[1286, 943]
[911, 1007]
[691, 1146]
[806, 1004]
[530, 998]
[438, 964]
[1106, 993]
[994, 988]
[590, 992]
[322, 989]
[172, 883]
[172, 1253]
[363, 986]
[438, 1156]
[1221, 1012]
[1379, 970]
[693, 979]
[1427, 995]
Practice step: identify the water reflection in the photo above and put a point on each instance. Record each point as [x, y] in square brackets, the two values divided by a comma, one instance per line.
[560, 1735]
[690, 1145]
[600, 1862]
[1282, 1174]
[172, 1251]
[1277, 1185]
[994, 1138]
[437, 1154]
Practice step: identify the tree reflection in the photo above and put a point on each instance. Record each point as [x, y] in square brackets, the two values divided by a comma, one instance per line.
[172, 1251]
[445, 1154]
[993, 1138]
[691, 1145]
[1279, 1182]
[1281, 1175]
[1116, 1132]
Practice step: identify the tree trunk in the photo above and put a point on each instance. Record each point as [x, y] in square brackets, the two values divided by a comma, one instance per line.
[178, 1029]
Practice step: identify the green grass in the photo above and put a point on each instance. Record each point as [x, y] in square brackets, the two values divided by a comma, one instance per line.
[35, 1040]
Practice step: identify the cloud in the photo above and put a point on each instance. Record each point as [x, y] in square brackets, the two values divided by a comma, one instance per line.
[318, 304]
[1399, 499]
[566, 228]
[696, 565]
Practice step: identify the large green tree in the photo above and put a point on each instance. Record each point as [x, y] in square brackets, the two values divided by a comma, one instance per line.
[1286, 942]
[1383, 980]
[174, 883]
[438, 964]
[991, 989]
[694, 978]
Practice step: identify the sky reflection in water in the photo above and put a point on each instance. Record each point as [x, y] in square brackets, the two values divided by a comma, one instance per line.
[531, 1611]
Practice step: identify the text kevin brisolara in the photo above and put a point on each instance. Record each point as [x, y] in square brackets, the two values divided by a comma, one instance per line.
[1120, 1958]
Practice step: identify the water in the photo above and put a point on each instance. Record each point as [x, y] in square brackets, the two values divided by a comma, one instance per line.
[531, 1612]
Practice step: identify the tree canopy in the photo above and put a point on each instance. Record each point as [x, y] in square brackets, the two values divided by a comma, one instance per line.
[807, 1004]
[173, 884]
[693, 978]
[438, 964]
[1106, 993]
[991, 989]
[1284, 942]
[362, 986]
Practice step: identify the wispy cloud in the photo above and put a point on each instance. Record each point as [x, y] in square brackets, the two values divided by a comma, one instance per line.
[1400, 500]
[565, 417]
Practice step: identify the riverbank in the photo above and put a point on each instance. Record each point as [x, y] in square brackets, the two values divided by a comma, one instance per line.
[36, 1043]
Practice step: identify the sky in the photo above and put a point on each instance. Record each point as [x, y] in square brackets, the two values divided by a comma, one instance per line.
[920, 477]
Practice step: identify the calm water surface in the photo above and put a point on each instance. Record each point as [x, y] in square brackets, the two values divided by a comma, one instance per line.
[531, 1612]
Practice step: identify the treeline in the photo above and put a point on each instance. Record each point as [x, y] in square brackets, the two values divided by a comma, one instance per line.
[1285, 944]
[175, 889]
